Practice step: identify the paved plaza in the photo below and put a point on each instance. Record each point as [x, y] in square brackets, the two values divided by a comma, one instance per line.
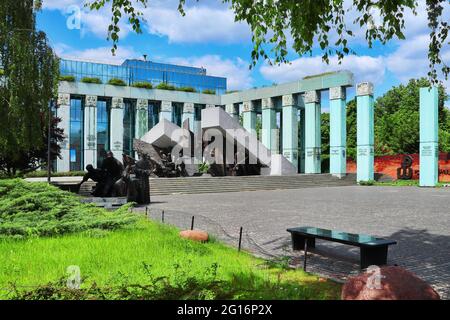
[417, 218]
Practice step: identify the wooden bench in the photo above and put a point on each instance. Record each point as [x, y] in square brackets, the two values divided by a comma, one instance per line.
[373, 251]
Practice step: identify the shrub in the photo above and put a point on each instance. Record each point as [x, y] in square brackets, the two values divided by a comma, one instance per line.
[142, 85]
[2, 72]
[165, 86]
[366, 183]
[38, 209]
[67, 78]
[203, 167]
[187, 89]
[117, 82]
[91, 80]
[43, 173]
[209, 91]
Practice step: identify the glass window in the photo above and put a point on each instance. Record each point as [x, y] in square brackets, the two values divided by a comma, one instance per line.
[129, 126]
[76, 134]
[177, 112]
[154, 107]
[103, 107]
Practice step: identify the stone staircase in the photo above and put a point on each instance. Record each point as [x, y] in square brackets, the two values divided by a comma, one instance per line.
[164, 186]
[194, 185]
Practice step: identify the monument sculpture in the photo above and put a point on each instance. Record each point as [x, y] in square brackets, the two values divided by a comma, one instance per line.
[114, 179]
[106, 176]
[405, 172]
[136, 178]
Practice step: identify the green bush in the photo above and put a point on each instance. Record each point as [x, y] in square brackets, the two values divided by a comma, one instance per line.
[2, 72]
[203, 167]
[209, 91]
[43, 173]
[165, 86]
[366, 183]
[38, 209]
[142, 85]
[91, 80]
[67, 78]
[187, 89]
[117, 82]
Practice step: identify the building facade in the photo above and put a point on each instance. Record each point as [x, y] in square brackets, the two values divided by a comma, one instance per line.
[99, 116]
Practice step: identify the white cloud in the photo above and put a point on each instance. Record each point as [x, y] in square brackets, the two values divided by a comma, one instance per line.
[200, 24]
[365, 68]
[95, 22]
[61, 4]
[100, 54]
[235, 70]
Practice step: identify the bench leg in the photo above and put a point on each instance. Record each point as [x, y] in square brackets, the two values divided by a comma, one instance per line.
[373, 256]
[298, 242]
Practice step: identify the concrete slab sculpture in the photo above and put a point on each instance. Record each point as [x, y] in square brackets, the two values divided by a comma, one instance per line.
[238, 137]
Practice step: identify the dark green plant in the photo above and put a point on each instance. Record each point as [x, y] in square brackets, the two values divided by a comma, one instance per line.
[38, 209]
[117, 82]
[367, 183]
[67, 78]
[91, 80]
[142, 85]
[186, 89]
[209, 91]
[203, 167]
[165, 86]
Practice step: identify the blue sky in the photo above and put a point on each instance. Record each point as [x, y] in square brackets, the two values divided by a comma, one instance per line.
[208, 36]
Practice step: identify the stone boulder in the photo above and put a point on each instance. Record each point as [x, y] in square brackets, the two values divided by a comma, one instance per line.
[390, 283]
[196, 235]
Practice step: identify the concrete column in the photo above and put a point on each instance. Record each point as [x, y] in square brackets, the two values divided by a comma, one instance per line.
[90, 131]
[116, 136]
[166, 110]
[231, 110]
[338, 132]
[290, 129]
[365, 132]
[249, 116]
[188, 113]
[141, 118]
[269, 124]
[63, 112]
[429, 147]
[313, 137]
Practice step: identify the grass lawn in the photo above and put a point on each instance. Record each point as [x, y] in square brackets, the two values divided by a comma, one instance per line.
[405, 183]
[115, 258]
[44, 230]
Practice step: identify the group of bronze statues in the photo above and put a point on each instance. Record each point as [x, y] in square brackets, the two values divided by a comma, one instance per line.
[129, 178]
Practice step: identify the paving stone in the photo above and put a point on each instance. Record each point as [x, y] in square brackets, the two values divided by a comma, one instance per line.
[418, 218]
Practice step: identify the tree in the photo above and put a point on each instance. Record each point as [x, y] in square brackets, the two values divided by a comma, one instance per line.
[27, 85]
[351, 129]
[308, 22]
[325, 145]
[397, 119]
